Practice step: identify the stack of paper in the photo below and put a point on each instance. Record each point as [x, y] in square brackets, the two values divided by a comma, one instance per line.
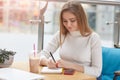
[48, 70]
[16, 74]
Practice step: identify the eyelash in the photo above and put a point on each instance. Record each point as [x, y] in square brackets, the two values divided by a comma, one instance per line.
[73, 20]
[64, 21]
[70, 21]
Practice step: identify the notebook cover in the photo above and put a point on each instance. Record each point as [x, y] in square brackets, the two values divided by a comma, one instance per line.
[16, 74]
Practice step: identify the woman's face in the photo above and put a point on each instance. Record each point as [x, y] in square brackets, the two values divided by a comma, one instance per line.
[70, 21]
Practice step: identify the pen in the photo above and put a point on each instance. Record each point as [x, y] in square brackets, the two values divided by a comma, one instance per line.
[52, 57]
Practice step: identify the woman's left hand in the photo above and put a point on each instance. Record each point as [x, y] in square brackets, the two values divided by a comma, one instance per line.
[69, 65]
[64, 64]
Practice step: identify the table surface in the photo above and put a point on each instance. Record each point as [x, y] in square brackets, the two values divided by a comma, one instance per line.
[76, 76]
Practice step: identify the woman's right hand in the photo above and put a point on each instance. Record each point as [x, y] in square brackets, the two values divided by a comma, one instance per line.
[51, 63]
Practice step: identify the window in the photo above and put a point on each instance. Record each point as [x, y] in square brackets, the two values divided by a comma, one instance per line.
[19, 33]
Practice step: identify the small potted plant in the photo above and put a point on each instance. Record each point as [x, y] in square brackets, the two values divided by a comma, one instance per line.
[6, 57]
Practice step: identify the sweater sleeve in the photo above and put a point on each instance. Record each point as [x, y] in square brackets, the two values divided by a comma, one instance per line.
[52, 46]
[96, 57]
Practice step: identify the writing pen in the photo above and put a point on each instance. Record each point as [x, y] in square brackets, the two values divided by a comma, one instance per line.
[52, 57]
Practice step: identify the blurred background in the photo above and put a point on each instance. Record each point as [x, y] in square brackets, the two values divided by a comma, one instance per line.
[18, 32]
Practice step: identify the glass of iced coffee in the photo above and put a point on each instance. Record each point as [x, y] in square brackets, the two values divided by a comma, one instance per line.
[34, 60]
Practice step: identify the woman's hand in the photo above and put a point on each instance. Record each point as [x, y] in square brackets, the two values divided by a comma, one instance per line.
[64, 64]
[69, 65]
[51, 63]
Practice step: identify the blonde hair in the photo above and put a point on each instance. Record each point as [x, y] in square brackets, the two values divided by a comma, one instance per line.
[75, 8]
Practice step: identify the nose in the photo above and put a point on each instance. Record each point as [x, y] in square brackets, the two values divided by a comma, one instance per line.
[68, 23]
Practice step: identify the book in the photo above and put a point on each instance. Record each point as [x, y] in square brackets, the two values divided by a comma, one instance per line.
[16, 74]
[48, 70]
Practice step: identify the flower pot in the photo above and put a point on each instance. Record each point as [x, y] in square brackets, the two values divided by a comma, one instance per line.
[7, 63]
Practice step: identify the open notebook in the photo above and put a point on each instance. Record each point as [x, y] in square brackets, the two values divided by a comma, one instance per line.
[47, 70]
[16, 74]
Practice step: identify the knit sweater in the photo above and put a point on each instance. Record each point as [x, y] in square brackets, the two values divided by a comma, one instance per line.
[85, 51]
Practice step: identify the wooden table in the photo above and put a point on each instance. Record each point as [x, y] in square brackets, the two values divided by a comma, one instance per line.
[76, 76]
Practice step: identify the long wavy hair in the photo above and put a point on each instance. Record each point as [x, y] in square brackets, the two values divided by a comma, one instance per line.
[75, 8]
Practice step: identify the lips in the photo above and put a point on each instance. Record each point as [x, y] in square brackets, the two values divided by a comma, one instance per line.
[69, 28]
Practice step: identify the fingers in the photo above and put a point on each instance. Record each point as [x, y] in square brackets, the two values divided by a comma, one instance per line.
[51, 64]
[56, 65]
[60, 63]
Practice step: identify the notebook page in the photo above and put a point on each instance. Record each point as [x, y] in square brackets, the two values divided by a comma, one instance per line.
[48, 70]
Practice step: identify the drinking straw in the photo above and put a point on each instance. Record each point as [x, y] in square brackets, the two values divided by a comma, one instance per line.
[34, 49]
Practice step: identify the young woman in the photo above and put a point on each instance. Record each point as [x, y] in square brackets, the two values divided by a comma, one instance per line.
[79, 47]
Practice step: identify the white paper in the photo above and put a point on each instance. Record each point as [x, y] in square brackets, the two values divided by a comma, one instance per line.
[16, 74]
[48, 70]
